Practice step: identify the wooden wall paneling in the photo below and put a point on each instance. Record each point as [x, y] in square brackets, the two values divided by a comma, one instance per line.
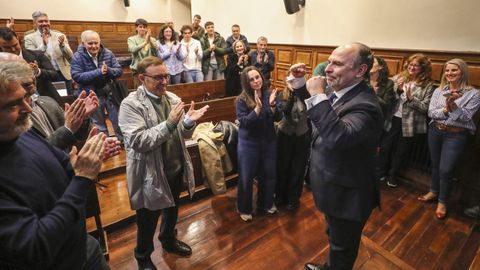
[108, 28]
[304, 56]
[281, 74]
[319, 58]
[437, 70]
[394, 63]
[76, 28]
[93, 26]
[284, 56]
[474, 75]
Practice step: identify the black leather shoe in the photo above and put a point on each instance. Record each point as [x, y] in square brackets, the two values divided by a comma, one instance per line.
[177, 247]
[146, 265]
[313, 266]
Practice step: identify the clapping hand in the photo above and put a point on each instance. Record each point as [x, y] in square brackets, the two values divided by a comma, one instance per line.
[45, 36]
[74, 114]
[10, 23]
[176, 113]
[35, 68]
[88, 161]
[273, 99]
[451, 105]
[193, 114]
[61, 40]
[408, 91]
[258, 102]
[112, 147]
[91, 103]
[104, 68]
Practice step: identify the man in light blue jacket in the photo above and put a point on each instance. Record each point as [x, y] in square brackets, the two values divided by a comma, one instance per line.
[154, 126]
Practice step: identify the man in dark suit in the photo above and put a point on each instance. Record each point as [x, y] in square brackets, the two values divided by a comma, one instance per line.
[347, 125]
[42, 67]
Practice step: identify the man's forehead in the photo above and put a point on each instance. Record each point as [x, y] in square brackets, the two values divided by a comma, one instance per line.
[42, 18]
[157, 70]
[344, 52]
[92, 37]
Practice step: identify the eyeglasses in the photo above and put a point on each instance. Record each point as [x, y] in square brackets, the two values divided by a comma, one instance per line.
[158, 77]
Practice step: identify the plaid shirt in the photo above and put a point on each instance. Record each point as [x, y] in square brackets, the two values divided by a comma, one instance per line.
[414, 112]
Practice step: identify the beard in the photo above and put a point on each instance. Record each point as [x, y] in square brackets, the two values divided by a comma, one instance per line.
[22, 126]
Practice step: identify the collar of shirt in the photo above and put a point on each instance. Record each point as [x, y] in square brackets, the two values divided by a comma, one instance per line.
[152, 95]
[343, 91]
[94, 58]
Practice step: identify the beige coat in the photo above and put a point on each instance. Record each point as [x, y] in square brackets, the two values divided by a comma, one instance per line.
[144, 136]
[214, 156]
[62, 56]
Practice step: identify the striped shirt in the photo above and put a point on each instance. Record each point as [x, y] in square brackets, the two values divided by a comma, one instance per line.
[467, 106]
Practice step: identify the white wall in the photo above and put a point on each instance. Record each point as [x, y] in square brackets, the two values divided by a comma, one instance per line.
[406, 24]
[101, 10]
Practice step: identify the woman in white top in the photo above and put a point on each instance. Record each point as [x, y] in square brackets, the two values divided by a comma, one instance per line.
[192, 49]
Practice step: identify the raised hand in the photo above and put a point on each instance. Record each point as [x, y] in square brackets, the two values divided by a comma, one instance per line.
[265, 59]
[74, 114]
[316, 85]
[258, 103]
[408, 91]
[451, 105]
[10, 23]
[61, 40]
[193, 114]
[273, 98]
[298, 70]
[88, 161]
[259, 57]
[176, 113]
[45, 36]
[112, 147]
[91, 104]
[35, 68]
[104, 68]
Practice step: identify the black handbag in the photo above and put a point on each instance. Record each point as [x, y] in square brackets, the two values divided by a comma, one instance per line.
[116, 91]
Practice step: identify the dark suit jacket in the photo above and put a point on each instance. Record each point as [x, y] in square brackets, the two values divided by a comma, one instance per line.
[342, 165]
[61, 137]
[47, 75]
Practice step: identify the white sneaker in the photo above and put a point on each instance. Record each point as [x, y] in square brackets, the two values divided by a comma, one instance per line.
[272, 210]
[246, 217]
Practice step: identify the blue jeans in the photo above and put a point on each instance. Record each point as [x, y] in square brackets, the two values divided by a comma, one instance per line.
[445, 150]
[98, 117]
[256, 159]
[176, 79]
[193, 76]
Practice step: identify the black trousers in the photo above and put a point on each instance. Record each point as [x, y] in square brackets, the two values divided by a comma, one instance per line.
[292, 157]
[394, 149]
[68, 83]
[344, 239]
[147, 223]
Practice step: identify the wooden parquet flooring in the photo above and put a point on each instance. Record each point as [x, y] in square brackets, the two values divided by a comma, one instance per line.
[403, 235]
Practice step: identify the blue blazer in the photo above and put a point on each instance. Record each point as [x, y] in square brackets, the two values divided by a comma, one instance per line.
[343, 154]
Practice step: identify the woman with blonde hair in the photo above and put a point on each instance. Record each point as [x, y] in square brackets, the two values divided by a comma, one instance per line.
[413, 88]
[451, 109]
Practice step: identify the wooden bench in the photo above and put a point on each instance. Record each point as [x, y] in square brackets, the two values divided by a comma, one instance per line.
[199, 91]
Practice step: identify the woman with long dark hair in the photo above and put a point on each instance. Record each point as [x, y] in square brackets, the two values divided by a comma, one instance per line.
[257, 110]
[169, 50]
[452, 108]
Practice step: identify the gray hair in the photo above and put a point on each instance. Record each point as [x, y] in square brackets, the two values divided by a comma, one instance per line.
[262, 38]
[87, 33]
[13, 71]
[37, 14]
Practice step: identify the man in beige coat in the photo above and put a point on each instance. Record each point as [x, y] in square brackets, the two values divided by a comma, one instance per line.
[155, 127]
[54, 44]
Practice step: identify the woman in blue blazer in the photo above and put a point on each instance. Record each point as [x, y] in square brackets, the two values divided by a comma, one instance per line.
[256, 110]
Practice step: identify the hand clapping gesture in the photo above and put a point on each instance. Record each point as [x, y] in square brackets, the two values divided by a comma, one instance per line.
[74, 114]
[408, 91]
[35, 68]
[193, 114]
[61, 41]
[273, 99]
[45, 36]
[104, 68]
[450, 102]
[10, 23]
[176, 113]
[88, 161]
[258, 102]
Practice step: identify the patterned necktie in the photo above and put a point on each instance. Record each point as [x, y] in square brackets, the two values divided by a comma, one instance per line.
[332, 98]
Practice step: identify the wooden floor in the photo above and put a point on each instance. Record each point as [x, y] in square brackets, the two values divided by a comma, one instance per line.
[404, 235]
